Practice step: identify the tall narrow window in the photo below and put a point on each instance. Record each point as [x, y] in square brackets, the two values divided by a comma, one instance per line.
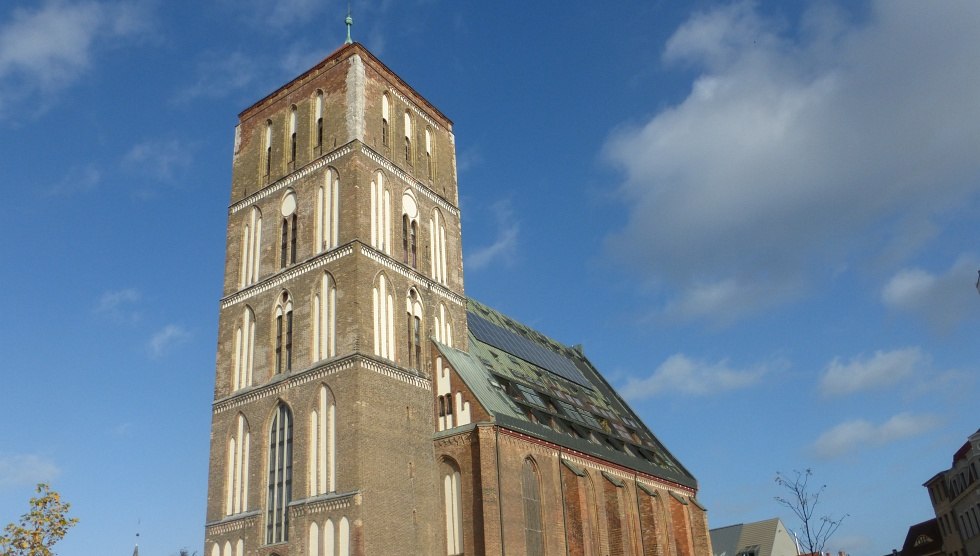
[410, 229]
[452, 504]
[442, 326]
[251, 248]
[288, 231]
[413, 308]
[437, 247]
[323, 439]
[318, 119]
[280, 476]
[533, 532]
[385, 116]
[325, 319]
[292, 134]
[268, 147]
[428, 152]
[284, 334]
[237, 479]
[244, 349]
[327, 211]
[384, 323]
[408, 137]
[380, 214]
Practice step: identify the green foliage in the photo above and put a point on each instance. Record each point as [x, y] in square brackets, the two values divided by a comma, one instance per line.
[46, 523]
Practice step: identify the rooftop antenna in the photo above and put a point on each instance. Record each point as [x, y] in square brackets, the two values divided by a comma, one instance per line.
[349, 21]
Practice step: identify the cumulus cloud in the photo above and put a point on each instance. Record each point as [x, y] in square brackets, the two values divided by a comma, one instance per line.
[851, 436]
[861, 373]
[166, 338]
[160, 160]
[791, 147]
[26, 469]
[504, 246]
[47, 47]
[684, 375]
[118, 304]
[942, 299]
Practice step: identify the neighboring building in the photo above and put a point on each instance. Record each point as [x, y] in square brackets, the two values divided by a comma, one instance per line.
[762, 538]
[955, 495]
[923, 539]
[364, 405]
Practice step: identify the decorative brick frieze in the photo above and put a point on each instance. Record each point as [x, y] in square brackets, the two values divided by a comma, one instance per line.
[231, 523]
[281, 278]
[281, 184]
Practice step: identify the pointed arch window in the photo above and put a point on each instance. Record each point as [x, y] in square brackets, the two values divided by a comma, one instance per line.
[244, 350]
[384, 323]
[413, 308]
[288, 231]
[318, 119]
[323, 442]
[284, 334]
[453, 506]
[268, 147]
[428, 152]
[531, 496]
[410, 230]
[385, 116]
[443, 326]
[236, 482]
[292, 134]
[251, 248]
[327, 211]
[408, 137]
[325, 319]
[437, 247]
[380, 214]
[280, 476]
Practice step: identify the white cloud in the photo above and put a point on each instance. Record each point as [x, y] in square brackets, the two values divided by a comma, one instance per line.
[789, 150]
[504, 246]
[160, 160]
[684, 375]
[26, 469]
[77, 180]
[166, 338]
[48, 47]
[942, 299]
[851, 436]
[861, 373]
[221, 74]
[117, 304]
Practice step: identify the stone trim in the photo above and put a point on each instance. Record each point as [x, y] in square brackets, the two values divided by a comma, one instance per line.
[231, 523]
[678, 497]
[316, 373]
[282, 183]
[616, 481]
[390, 263]
[573, 468]
[651, 491]
[697, 503]
[287, 275]
[324, 503]
[418, 186]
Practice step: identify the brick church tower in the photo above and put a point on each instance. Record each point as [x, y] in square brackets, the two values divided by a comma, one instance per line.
[363, 405]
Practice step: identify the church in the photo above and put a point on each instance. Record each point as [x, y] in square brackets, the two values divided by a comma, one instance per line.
[363, 404]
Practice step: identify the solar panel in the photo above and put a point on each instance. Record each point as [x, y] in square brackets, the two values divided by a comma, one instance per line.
[531, 396]
[519, 346]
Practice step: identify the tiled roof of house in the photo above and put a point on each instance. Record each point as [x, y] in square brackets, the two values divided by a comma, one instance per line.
[535, 385]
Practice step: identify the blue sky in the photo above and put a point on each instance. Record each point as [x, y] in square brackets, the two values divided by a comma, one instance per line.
[760, 219]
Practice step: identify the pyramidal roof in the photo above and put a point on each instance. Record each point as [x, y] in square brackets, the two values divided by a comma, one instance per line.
[535, 385]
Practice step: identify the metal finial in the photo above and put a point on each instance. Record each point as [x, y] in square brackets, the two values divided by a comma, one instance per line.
[349, 21]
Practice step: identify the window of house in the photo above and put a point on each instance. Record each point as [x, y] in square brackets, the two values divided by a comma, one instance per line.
[531, 496]
[287, 246]
[385, 111]
[280, 476]
[292, 134]
[318, 119]
[284, 334]
[268, 147]
[452, 504]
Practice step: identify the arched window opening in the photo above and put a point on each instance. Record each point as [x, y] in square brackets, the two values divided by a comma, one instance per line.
[385, 109]
[280, 476]
[323, 439]
[380, 214]
[428, 152]
[268, 147]
[284, 334]
[318, 119]
[384, 322]
[251, 248]
[413, 307]
[327, 211]
[410, 227]
[292, 134]
[288, 235]
[453, 506]
[442, 326]
[437, 247]
[236, 492]
[408, 137]
[325, 319]
[244, 350]
[531, 496]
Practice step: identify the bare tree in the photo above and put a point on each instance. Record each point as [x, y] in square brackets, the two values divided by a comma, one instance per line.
[802, 500]
[39, 529]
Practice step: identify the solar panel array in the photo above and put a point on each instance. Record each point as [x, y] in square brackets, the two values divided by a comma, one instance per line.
[519, 346]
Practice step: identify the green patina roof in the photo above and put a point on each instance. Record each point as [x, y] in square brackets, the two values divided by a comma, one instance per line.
[535, 385]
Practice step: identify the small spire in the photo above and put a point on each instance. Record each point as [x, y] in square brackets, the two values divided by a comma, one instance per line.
[349, 21]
